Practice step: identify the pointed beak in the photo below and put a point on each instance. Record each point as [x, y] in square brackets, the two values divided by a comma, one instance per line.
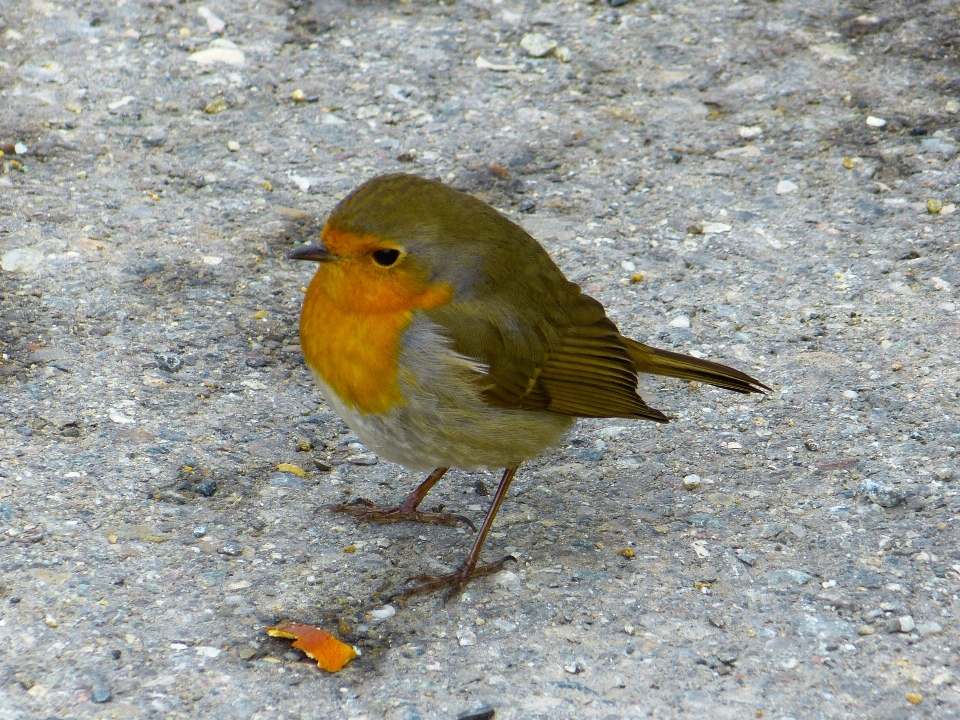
[314, 253]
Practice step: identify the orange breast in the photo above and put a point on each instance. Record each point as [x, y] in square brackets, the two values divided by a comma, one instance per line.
[350, 329]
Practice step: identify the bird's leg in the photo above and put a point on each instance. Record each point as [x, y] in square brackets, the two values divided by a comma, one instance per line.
[468, 569]
[407, 509]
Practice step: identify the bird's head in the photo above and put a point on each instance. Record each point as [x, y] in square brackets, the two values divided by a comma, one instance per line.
[404, 242]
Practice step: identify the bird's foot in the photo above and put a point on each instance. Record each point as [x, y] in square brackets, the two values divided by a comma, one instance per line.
[454, 582]
[366, 510]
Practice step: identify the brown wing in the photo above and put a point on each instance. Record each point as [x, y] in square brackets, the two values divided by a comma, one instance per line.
[571, 361]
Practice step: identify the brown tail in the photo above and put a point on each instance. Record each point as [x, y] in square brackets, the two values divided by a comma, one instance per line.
[663, 362]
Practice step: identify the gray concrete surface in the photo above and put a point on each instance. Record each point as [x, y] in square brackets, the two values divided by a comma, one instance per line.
[160, 160]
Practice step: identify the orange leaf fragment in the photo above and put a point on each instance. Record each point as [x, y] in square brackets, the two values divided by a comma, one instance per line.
[331, 654]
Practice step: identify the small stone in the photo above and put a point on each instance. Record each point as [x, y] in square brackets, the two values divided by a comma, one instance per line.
[286, 480]
[207, 488]
[850, 394]
[574, 668]
[298, 95]
[485, 712]
[220, 51]
[636, 277]
[216, 106]
[876, 122]
[233, 146]
[231, 548]
[680, 321]
[952, 107]
[785, 187]
[200, 531]
[101, 694]
[363, 459]
[21, 148]
[944, 474]
[929, 628]
[692, 482]
[934, 206]
[749, 132]
[865, 630]
[169, 362]
[903, 624]
[467, 638]
[214, 24]
[915, 698]
[714, 228]
[790, 576]
[748, 558]
[563, 53]
[883, 494]
[51, 621]
[537, 45]
[20, 260]
[387, 611]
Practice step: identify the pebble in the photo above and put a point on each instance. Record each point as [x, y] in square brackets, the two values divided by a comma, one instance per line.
[467, 638]
[692, 482]
[574, 668]
[485, 712]
[851, 394]
[286, 480]
[214, 24]
[387, 611]
[876, 122]
[537, 45]
[169, 362]
[790, 576]
[902, 624]
[51, 621]
[101, 694]
[934, 206]
[231, 548]
[714, 228]
[220, 51]
[749, 132]
[929, 628]
[207, 651]
[200, 531]
[952, 107]
[233, 146]
[298, 95]
[20, 259]
[785, 187]
[914, 698]
[881, 493]
[207, 488]
[680, 321]
[363, 459]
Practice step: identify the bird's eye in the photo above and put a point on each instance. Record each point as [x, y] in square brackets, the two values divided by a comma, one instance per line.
[386, 257]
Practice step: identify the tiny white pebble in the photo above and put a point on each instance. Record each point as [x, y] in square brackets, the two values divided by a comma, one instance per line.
[680, 321]
[233, 146]
[387, 611]
[692, 482]
[876, 122]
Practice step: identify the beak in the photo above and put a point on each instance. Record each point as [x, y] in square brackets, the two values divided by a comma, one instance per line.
[314, 253]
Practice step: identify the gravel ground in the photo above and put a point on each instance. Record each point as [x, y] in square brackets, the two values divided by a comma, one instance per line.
[756, 182]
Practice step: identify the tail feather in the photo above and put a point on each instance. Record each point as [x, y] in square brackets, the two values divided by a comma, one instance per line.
[663, 362]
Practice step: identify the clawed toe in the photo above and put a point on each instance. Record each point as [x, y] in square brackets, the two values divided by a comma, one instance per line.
[454, 582]
[367, 511]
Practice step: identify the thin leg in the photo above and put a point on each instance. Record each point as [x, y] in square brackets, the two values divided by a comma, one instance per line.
[407, 509]
[468, 570]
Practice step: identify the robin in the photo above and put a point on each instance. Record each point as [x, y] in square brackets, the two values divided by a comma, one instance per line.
[445, 336]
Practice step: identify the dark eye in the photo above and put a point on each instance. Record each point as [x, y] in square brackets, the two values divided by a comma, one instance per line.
[385, 257]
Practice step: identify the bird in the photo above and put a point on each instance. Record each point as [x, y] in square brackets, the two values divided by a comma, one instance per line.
[445, 336]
